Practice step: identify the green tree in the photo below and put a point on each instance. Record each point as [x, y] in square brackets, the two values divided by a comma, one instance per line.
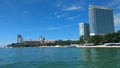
[97, 39]
[82, 40]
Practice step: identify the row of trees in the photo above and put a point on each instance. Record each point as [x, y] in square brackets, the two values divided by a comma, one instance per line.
[63, 43]
[101, 39]
[57, 42]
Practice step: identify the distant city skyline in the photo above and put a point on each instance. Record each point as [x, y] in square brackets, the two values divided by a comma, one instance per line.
[53, 20]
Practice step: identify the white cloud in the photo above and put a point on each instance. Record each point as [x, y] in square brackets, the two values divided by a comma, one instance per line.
[114, 3]
[73, 17]
[72, 7]
[62, 15]
[66, 16]
[68, 5]
[117, 19]
[67, 9]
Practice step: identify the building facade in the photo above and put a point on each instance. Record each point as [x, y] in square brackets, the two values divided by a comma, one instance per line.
[100, 20]
[84, 30]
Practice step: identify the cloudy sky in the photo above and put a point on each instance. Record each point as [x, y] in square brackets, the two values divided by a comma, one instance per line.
[53, 19]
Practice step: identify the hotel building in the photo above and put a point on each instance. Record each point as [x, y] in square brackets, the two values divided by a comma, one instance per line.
[100, 20]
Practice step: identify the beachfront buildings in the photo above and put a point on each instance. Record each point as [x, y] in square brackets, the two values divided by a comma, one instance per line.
[84, 30]
[34, 42]
[100, 20]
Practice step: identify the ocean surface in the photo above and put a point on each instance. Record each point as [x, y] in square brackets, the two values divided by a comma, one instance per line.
[59, 58]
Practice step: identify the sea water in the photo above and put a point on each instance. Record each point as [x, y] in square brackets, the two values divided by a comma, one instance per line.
[59, 57]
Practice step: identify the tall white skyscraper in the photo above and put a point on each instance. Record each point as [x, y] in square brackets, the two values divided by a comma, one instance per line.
[84, 30]
[100, 20]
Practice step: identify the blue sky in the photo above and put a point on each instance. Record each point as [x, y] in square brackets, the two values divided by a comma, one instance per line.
[53, 19]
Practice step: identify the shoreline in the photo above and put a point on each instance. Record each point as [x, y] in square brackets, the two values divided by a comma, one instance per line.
[82, 46]
[72, 46]
[98, 46]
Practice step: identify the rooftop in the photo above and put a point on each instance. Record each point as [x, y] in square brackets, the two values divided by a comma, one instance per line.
[100, 7]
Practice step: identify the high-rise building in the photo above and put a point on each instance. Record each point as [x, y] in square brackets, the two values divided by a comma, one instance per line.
[100, 20]
[19, 39]
[84, 30]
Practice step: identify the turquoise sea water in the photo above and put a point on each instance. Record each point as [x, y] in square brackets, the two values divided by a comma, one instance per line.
[59, 58]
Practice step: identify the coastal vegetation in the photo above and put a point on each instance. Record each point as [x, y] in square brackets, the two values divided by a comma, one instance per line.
[57, 42]
[101, 39]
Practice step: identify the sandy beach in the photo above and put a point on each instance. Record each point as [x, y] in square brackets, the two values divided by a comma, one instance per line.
[83, 46]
